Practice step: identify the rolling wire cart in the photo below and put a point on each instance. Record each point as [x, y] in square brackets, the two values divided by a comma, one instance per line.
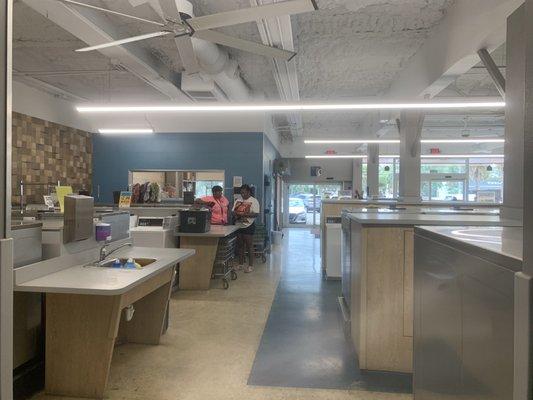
[225, 254]
[261, 242]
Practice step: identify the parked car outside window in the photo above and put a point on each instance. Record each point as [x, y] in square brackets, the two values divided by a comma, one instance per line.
[297, 211]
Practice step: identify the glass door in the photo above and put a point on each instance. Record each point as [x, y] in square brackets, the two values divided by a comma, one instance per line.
[304, 202]
[447, 190]
[302, 205]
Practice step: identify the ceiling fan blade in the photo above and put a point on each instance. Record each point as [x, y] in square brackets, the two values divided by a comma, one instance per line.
[124, 41]
[246, 45]
[251, 14]
[77, 3]
[183, 42]
[170, 9]
[187, 55]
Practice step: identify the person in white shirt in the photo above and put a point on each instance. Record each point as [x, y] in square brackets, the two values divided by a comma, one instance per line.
[246, 210]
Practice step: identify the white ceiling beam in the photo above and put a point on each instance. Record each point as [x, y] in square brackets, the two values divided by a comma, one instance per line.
[93, 28]
[277, 32]
[451, 50]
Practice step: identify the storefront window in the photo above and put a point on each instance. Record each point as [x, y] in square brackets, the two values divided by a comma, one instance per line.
[436, 167]
[474, 180]
[485, 182]
[364, 181]
[388, 178]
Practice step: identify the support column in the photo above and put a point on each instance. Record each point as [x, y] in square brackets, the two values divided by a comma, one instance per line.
[513, 187]
[410, 127]
[6, 245]
[518, 186]
[357, 172]
[372, 171]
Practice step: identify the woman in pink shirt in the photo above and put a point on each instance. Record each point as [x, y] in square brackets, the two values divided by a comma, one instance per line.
[218, 205]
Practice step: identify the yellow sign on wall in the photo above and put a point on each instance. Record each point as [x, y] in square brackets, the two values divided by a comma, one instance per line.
[61, 192]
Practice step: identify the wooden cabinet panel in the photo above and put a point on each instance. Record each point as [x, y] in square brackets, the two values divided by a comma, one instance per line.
[382, 302]
[408, 281]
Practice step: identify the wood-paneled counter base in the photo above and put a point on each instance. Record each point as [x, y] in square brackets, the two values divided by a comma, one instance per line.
[195, 273]
[81, 330]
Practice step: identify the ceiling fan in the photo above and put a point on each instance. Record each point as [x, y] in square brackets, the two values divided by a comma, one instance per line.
[183, 27]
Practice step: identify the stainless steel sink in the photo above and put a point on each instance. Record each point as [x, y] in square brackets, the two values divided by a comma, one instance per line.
[143, 262]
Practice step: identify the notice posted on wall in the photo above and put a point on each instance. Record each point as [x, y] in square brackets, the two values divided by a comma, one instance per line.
[237, 181]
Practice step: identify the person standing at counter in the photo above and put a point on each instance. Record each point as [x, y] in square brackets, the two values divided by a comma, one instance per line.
[246, 210]
[218, 204]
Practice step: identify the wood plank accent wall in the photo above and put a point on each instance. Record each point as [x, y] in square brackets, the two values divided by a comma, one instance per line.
[45, 152]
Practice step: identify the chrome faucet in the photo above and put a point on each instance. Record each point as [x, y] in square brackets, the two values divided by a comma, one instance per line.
[104, 253]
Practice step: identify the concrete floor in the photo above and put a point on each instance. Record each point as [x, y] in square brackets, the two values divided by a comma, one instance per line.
[209, 349]
[303, 343]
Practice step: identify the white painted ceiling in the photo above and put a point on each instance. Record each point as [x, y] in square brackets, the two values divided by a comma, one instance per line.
[348, 49]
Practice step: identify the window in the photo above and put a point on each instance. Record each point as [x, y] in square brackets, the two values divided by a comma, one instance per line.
[203, 188]
[474, 180]
[389, 177]
[485, 182]
[364, 181]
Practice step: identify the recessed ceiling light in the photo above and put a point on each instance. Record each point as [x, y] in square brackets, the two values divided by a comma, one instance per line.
[124, 131]
[347, 141]
[287, 107]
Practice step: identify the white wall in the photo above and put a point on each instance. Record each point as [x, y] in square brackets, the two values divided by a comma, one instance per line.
[39, 104]
[339, 170]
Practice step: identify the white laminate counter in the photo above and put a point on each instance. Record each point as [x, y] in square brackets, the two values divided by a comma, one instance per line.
[503, 242]
[69, 275]
[401, 218]
[216, 231]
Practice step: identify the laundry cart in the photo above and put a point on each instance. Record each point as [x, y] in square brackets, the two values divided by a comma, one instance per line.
[225, 254]
[261, 242]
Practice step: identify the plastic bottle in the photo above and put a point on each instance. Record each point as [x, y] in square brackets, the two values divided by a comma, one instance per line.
[129, 264]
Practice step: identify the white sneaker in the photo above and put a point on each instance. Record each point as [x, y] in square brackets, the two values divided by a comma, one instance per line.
[238, 267]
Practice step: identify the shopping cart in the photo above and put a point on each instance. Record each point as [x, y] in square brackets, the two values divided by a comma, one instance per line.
[225, 254]
[261, 242]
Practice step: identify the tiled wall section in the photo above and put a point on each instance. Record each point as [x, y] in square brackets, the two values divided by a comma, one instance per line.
[44, 153]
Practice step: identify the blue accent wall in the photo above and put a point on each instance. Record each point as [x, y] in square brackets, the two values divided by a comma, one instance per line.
[269, 155]
[238, 154]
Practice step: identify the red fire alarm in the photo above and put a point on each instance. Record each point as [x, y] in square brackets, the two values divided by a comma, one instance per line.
[434, 151]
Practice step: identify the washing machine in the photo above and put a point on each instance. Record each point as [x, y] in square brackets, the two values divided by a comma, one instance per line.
[157, 232]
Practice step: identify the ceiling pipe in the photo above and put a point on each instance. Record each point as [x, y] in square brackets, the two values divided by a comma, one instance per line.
[216, 64]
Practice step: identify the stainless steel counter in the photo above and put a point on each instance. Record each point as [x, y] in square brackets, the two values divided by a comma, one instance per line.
[418, 218]
[464, 312]
[496, 244]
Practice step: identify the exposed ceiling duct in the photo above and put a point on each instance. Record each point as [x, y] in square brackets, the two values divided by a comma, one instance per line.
[93, 28]
[216, 65]
[209, 74]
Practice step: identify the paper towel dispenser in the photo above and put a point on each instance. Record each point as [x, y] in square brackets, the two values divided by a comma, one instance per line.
[79, 213]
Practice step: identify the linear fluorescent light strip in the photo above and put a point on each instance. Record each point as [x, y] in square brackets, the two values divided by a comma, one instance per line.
[361, 156]
[287, 107]
[437, 141]
[396, 141]
[372, 141]
[463, 156]
[124, 131]
[352, 156]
